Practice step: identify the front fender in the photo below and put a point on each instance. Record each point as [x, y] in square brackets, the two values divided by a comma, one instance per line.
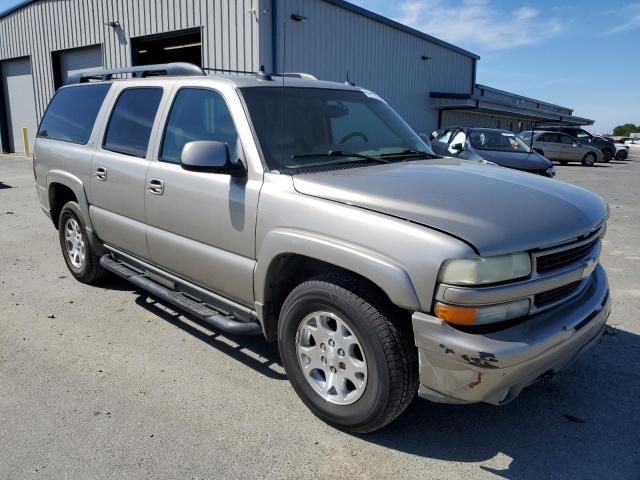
[382, 271]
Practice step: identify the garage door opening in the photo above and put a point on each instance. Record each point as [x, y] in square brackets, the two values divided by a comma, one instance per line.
[67, 62]
[178, 46]
[18, 104]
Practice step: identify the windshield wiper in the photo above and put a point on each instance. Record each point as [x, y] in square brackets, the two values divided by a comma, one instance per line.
[410, 152]
[340, 153]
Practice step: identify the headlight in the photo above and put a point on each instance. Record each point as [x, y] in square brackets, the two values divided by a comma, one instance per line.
[483, 270]
[482, 315]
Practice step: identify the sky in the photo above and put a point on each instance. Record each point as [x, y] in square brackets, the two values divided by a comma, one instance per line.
[582, 54]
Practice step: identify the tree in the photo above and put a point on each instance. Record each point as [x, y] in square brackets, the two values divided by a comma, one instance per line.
[626, 129]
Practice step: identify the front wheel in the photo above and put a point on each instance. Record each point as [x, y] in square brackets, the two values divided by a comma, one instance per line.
[589, 159]
[349, 360]
[622, 155]
[607, 155]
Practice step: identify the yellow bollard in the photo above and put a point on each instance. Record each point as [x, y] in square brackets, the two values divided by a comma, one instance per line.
[25, 139]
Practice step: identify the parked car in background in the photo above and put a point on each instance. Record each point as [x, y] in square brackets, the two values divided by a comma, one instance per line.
[491, 145]
[562, 147]
[606, 146]
[633, 141]
[622, 151]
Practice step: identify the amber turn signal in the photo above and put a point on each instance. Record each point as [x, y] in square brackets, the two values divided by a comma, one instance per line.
[457, 315]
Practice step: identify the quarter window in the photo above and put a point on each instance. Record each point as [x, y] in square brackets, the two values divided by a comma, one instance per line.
[131, 121]
[566, 139]
[72, 113]
[197, 114]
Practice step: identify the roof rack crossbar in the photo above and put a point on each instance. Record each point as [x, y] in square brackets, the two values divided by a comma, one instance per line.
[177, 69]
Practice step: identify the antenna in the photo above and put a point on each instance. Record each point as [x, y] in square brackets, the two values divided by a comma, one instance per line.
[349, 82]
[263, 75]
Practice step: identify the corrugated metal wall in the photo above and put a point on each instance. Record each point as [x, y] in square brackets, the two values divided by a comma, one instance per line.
[229, 32]
[333, 41]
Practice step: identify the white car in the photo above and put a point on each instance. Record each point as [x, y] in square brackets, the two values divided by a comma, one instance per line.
[622, 151]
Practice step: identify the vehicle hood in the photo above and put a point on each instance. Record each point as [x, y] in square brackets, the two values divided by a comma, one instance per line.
[519, 160]
[495, 209]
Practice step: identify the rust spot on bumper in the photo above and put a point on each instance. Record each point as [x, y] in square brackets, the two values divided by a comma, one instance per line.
[483, 360]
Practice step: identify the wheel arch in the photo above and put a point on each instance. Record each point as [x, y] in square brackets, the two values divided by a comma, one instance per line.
[288, 258]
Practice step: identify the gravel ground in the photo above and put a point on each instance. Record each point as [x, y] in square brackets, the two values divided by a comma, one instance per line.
[103, 382]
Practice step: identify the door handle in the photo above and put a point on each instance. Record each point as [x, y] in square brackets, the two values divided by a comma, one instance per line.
[101, 174]
[155, 186]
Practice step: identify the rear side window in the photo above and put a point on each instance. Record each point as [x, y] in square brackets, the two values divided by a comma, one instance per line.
[131, 121]
[72, 113]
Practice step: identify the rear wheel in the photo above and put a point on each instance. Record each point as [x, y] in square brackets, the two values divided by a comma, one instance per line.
[81, 260]
[589, 159]
[349, 360]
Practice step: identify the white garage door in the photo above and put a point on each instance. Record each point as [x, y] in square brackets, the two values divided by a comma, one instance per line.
[19, 101]
[78, 60]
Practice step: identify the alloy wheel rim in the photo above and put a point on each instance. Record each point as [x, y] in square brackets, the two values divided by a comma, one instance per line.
[331, 358]
[74, 242]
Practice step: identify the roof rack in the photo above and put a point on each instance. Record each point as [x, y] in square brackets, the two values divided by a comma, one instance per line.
[177, 69]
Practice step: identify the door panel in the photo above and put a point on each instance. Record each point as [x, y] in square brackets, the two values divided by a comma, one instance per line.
[118, 178]
[201, 226]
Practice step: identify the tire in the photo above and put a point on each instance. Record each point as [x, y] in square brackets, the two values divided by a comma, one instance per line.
[589, 159]
[563, 162]
[385, 345]
[78, 254]
[622, 155]
[607, 155]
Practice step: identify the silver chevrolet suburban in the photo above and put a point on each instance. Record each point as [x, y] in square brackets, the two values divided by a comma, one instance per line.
[311, 213]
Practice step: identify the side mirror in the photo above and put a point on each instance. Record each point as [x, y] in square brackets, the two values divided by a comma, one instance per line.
[434, 134]
[458, 147]
[209, 156]
[575, 144]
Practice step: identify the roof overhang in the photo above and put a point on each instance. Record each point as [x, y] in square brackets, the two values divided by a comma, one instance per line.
[465, 101]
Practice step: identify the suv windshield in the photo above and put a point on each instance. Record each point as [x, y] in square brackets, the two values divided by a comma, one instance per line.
[496, 140]
[300, 128]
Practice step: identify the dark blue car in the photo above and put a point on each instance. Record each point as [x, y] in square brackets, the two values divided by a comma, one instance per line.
[491, 145]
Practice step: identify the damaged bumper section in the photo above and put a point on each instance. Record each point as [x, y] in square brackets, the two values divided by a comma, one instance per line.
[459, 367]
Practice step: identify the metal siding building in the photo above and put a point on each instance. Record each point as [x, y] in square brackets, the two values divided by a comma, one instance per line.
[43, 41]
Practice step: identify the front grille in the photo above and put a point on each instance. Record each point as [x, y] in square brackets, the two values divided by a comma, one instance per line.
[551, 296]
[546, 263]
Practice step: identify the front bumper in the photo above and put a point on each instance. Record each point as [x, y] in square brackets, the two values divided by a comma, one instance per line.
[458, 367]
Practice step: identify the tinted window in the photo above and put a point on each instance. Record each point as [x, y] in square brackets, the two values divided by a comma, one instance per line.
[444, 136]
[300, 128]
[566, 139]
[583, 134]
[197, 114]
[72, 113]
[131, 121]
[550, 137]
[460, 137]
